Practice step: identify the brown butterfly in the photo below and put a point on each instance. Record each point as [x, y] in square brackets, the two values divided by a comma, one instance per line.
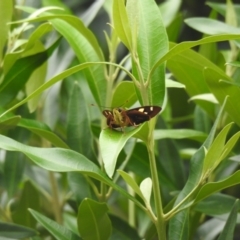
[120, 118]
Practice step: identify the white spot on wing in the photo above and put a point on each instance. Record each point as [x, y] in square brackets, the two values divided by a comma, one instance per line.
[141, 109]
[151, 108]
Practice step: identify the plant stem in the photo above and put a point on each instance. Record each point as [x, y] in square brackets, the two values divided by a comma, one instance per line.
[160, 222]
[55, 198]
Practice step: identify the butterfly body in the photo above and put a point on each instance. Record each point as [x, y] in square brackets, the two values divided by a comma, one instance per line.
[120, 118]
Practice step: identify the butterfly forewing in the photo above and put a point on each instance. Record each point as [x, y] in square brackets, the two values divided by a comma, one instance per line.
[131, 117]
[142, 114]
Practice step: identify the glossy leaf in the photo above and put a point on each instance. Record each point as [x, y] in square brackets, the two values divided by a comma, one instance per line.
[80, 186]
[21, 214]
[179, 134]
[217, 204]
[146, 189]
[57, 230]
[176, 49]
[215, 151]
[122, 230]
[179, 222]
[131, 182]
[61, 160]
[14, 231]
[85, 46]
[22, 69]
[170, 163]
[128, 98]
[210, 26]
[13, 170]
[121, 23]
[81, 40]
[111, 143]
[31, 47]
[6, 10]
[228, 231]
[50, 82]
[221, 89]
[205, 97]
[213, 187]
[92, 219]
[150, 50]
[10, 122]
[169, 10]
[173, 84]
[78, 124]
[43, 131]
[211, 228]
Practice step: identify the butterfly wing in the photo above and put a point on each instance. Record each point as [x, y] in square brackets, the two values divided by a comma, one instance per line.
[142, 114]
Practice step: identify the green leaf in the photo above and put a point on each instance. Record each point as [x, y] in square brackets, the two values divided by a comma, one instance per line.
[121, 23]
[61, 160]
[169, 10]
[128, 98]
[78, 124]
[213, 187]
[174, 29]
[234, 64]
[43, 131]
[20, 73]
[131, 182]
[58, 231]
[53, 159]
[139, 164]
[173, 84]
[214, 153]
[188, 68]
[210, 26]
[6, 10]
[150, 50]
[93, 221]
[171, 166]
[50, 82]
[21, 214]
[14, 231]
[92, 12]
[177, 224]
[202, 121]
[32, 46]
[111, 143]
[13, 170]
[179, 134]
[211, 228]
[122, 230]
[85, 46]
[221, 89]
[132, 8]
[86, 49]
[228, 231]
[231, 16]
[80, 186]
[146, 189]
[9, 122]
[205, 97]
[217, 204]
[192, 60]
